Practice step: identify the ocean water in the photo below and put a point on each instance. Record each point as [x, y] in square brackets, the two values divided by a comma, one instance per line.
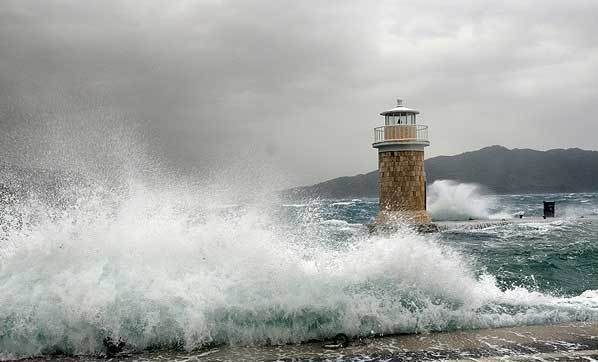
[183, 269]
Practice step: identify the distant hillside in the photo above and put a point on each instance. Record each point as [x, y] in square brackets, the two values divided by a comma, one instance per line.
[500, 169]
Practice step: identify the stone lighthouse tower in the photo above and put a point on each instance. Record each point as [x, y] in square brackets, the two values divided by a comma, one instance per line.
[400, 143]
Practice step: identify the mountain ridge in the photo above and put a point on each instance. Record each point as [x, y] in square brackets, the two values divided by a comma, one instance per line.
[501, 170]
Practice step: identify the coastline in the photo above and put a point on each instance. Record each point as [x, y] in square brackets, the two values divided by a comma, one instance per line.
[522, 342]
[568, 341]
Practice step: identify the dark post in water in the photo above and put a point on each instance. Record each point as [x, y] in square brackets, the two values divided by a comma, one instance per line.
[548, 209]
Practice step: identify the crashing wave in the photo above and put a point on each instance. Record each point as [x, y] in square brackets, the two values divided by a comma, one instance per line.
[153, 270]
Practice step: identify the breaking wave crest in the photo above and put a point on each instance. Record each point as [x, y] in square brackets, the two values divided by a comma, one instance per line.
[452, 201]
[170, 270]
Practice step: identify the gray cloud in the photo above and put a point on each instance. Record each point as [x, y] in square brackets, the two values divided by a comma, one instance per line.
[296, 84]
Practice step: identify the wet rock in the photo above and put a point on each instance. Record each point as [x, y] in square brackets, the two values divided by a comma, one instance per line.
[113, 347]
[340, 341]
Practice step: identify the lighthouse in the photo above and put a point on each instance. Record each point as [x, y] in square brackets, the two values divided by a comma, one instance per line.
[402, 182]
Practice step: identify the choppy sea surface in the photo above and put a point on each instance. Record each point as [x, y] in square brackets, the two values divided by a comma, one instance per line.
[179, 270]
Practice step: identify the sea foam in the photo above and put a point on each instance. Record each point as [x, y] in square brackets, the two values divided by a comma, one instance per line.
[161, 271]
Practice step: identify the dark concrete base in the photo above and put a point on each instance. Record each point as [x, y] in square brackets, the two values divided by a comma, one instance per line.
[378, 228]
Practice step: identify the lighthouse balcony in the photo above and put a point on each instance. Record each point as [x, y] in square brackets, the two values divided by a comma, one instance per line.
[401, 133]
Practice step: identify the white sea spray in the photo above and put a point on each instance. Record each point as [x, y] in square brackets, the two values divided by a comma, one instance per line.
[169, 268]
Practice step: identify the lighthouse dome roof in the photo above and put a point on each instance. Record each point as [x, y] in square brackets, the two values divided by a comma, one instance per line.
[400, 108]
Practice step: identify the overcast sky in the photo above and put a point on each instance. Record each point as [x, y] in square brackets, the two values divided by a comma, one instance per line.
[297, 85]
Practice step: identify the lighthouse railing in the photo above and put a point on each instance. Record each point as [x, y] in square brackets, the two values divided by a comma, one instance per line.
[401, 132]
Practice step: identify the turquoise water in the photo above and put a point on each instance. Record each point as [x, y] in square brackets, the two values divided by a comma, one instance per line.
[558, 256]
[186, 269]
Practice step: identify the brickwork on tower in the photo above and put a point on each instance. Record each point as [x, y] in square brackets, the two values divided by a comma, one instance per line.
[402, 186]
